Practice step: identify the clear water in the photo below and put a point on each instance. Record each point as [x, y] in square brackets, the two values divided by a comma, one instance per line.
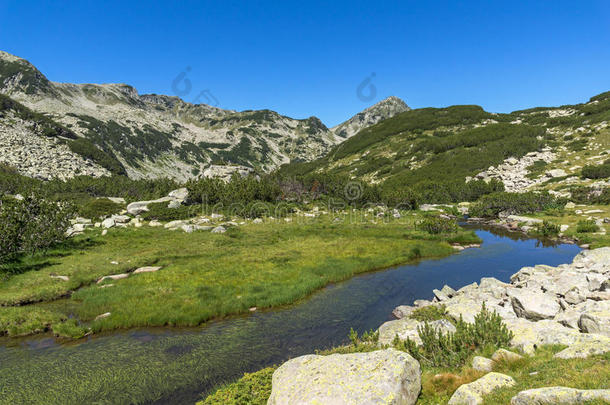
[164, 365]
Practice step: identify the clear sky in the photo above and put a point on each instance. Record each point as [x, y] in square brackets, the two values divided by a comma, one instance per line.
[309, 58]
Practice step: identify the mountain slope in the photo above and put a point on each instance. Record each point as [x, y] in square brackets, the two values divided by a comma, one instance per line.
[155, 135]
[544, 147]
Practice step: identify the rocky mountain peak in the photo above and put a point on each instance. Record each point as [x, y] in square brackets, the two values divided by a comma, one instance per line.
[384, 109]
[17, 75]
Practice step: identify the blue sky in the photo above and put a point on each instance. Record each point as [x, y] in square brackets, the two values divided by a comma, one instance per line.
[308, 58]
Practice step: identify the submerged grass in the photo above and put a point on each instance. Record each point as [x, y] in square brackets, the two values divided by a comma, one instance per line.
[204, 275]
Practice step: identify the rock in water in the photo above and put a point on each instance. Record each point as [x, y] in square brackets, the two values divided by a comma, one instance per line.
[559, 395]
[380, 377]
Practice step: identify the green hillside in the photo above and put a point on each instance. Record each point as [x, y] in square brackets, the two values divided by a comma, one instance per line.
[435, 146]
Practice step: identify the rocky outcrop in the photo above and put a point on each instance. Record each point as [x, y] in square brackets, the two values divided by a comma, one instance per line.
[559, 396]
[513, 172]
[380, 377]
[538, 306]
[225, 172]
[24, 147]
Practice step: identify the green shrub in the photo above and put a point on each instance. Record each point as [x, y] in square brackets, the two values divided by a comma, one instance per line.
[596, 172]
[70, 329]
[587, 226]
[430, 313]
[454, 348]
[96, 208]
[367, 338]
[435, 225]
[514, 203]
[590, 195]
[161, 212]
[401, 198]
[547, 229]
[251, 389]
[31, 225]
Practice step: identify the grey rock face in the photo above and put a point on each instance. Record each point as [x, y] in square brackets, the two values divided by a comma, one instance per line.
[380, 377]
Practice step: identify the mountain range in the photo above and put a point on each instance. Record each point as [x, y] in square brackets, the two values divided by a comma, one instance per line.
[51, 129]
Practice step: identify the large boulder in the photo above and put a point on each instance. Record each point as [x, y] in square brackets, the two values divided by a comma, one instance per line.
[380, 377]
[179, 195]
[529, 335]
[406, 328]
[587, 345]
[533, 305]
[596, 322]
[559, 396]
[472, 394]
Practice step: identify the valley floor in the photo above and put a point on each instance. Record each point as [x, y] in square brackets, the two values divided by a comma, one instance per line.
[202, 275]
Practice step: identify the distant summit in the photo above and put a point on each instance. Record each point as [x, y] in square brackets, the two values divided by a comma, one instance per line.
[384, 109]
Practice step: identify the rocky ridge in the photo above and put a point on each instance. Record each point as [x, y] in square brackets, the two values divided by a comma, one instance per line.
[163, 136]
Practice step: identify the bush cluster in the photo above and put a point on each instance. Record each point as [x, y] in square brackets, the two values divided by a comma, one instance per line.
[436, 225]
[31, 225]
[490, 206]
[587, 226]
[596, 172]
[590, 195]
[547, 229]
[454, 348]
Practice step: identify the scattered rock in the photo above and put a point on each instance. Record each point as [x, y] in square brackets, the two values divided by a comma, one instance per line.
[472, 394]
[480, 363]
[113, 277]
[102, 316]
[147, 269]
[219, 229]
[63, 278]
[108, 223]
[505, 355]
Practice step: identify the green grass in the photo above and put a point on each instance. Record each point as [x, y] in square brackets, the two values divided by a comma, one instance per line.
[430, 313]
[572, 219]
[589, 373]
[207, 275]
[251, 389]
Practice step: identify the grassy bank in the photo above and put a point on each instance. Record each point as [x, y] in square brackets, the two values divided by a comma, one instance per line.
[578, 216]
[203, 275]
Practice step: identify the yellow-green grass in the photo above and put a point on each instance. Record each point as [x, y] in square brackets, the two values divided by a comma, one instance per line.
[203, 275]
[439, 384]
[571, 218]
